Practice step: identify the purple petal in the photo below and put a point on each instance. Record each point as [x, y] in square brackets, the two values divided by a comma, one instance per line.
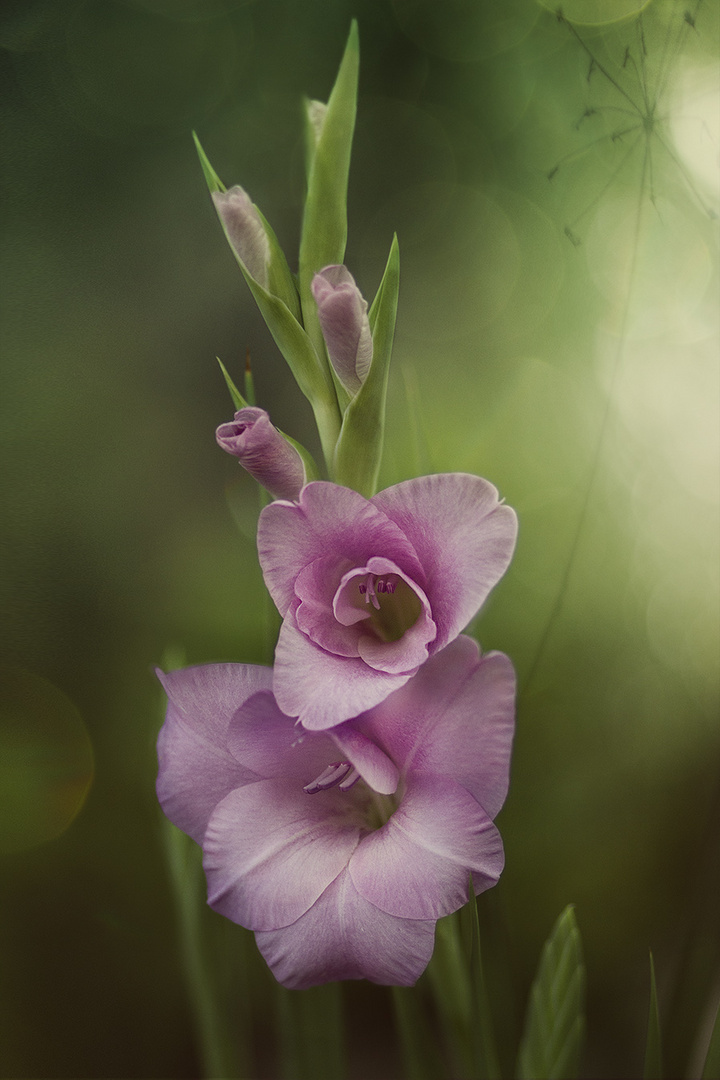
[196, 770]
[271, 850]
[454, 718]
[322, 689]
[245, 231]
[374, 766]
[315, 587]
[464, 538]
[343, 936]
[262, 450]
[342, 313]
[417, 865]
[273, 746]
[330, 520]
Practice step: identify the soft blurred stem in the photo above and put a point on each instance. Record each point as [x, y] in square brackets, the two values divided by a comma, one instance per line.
[459, 1004]
[310, 1033]
[483, 1038]
[219, 1053]
[653, 1054]
[419, 1054]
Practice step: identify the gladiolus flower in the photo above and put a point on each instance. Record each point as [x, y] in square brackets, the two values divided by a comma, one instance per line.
[262, 450]
[245, 231]
[342, 312]
[340, 850]
[370, 588]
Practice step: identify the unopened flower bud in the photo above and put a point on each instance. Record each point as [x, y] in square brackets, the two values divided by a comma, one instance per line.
[245, 231]
[342, 312]
[262, 450]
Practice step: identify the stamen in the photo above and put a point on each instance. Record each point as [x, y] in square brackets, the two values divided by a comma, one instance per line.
[352, 778]
[368, 588]
[338, 772]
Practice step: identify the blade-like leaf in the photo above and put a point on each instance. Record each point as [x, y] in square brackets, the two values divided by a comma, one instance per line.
[555, 1023]
[360, 446]
[653, 1052]
[324, 226]
[238, 400]
[212, 179]
[711, 1068]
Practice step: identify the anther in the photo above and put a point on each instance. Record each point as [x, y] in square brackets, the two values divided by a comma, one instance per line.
[338, 773]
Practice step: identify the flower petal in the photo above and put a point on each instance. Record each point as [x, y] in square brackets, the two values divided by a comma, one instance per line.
[330, 519]
[271, 850]
[322, 689]
[417, 865]
[454, 718]
[272, 745]
[196, 770]
[374, 766]
[343, 936]
[464, 538]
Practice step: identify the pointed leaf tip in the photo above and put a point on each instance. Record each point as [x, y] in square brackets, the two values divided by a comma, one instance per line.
[555, 1022]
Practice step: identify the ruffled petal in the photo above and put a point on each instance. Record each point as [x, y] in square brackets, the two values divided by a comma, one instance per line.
[322, 689]
[330, 520]
[417, 865]
[196, 769]
[464, 537]
[343, 936]
[454, 718]
[270, 850]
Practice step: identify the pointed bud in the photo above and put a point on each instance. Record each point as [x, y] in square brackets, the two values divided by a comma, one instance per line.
[262, 450]
[342, 312]
[245, 231]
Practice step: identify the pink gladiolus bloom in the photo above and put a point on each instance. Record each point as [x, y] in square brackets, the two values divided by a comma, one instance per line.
[340, 850]
[342, 312]
[370, 588]
[262, 450]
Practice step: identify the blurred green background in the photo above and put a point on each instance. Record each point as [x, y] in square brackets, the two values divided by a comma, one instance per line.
[557, 333]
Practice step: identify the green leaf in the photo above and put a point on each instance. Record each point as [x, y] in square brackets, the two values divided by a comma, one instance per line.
[359, 448]
[324, 226]
[711, 1068]
[653, 1052]
[212, 179]
[555, 1023]
[238, 400]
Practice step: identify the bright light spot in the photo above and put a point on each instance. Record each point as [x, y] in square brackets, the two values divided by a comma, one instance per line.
[695, 126]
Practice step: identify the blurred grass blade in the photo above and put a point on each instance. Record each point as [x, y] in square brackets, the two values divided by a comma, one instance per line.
[310, 1033]
[481, 1029]
[359, 449]
[449, 976]
[653, 1051]
[324, 226]
[711, 1068]
[555, 1024]
[419, 1051]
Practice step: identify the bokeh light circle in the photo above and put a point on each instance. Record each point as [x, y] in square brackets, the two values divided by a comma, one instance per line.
[46, 761]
